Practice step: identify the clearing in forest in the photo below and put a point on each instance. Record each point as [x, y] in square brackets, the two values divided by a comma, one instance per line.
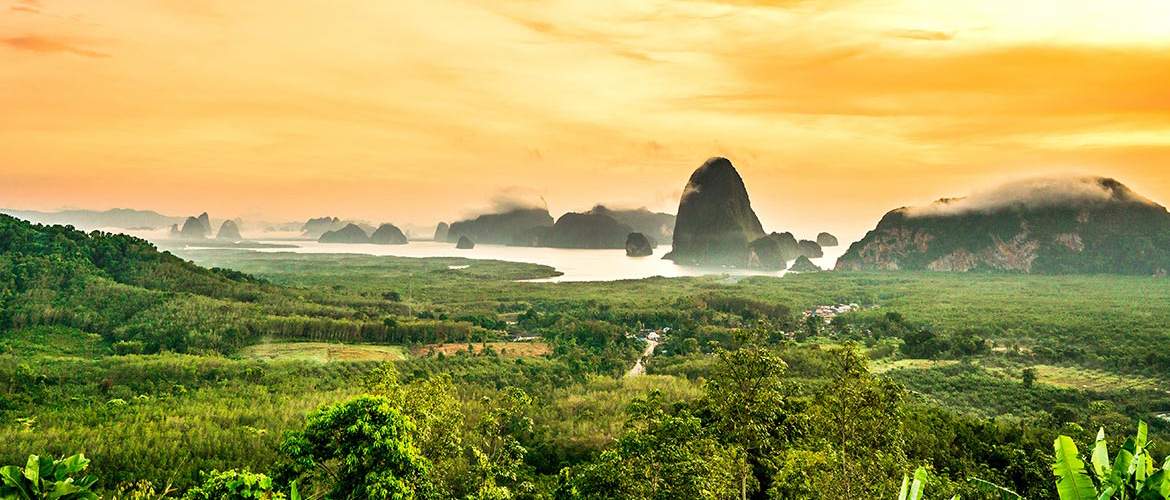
[324, 352]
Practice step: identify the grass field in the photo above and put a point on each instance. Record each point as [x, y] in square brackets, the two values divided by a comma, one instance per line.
[509, 349]
[323, 352]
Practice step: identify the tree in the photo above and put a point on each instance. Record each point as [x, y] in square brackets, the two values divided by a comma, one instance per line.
[745, 405]
[664, 453]
[499, 455]
[855, 427]
[363, 448]
[1029, 377]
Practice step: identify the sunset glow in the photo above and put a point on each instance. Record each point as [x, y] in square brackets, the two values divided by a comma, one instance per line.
[415, 111]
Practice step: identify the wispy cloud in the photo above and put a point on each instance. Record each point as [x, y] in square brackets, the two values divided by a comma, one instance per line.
[924, 35]
[48, 45]
[28, 6]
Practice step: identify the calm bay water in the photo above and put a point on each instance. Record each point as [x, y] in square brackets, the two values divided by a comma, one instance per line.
[577, 265]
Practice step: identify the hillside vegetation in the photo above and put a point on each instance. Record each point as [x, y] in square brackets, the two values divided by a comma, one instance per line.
[176, 379]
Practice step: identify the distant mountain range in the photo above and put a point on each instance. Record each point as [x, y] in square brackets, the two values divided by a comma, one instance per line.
[121, 218]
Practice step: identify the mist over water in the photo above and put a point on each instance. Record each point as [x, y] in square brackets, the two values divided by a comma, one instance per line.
[576, 264]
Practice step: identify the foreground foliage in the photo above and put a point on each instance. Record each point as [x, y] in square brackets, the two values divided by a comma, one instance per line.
[48, 479]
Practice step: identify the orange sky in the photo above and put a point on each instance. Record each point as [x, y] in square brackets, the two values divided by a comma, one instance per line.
[412, 111]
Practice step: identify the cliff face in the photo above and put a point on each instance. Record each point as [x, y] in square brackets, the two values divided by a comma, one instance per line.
[441, 231]
[715, 223]
[502, 228]
[1096, 226]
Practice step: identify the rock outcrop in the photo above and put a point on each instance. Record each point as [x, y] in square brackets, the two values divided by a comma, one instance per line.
[464, 243]
[175, 232]
[500, 228]
[766, 253]
[351, 233]
[192, 229]
[388, 234]
[205, 222]
[655, 225]
[827, 240]
[638, 245]
[789, 247]
[229, 231]
[441, 231]
[592, 229]
[715, 223]
[1047, 226]
[804, 265]
[810, 249]
[316, 227]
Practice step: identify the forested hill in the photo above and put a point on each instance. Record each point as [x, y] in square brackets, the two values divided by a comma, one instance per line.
[41, 256]
[141, 300]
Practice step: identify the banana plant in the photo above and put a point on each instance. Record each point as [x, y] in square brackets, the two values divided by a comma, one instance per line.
[1130, 475]
[43, 478]
[914, 489]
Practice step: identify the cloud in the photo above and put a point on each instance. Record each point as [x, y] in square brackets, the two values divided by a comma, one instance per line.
[509, 199]
[780, 4]
[28, 6]
[42, 44]
[563, 32]
[924, 35]
[856, 80]
[1033, 193]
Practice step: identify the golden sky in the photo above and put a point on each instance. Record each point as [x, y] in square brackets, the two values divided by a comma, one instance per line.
[412, 111]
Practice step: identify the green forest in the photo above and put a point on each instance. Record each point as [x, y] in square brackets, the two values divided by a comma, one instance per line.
[130, 372]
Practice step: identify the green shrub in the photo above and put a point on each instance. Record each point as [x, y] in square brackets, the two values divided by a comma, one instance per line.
[45, 478]
[234, 485]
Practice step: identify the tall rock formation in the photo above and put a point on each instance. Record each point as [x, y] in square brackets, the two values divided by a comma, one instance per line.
[1051, 226]
[205, 222]
[229, 231]
[192, 229]
[441, 231]
[715, 223]
[827, 240]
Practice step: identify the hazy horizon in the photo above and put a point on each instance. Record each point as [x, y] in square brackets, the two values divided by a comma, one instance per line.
[412, 112]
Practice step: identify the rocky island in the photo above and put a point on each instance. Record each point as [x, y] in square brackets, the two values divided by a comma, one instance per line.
[1080, 225]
